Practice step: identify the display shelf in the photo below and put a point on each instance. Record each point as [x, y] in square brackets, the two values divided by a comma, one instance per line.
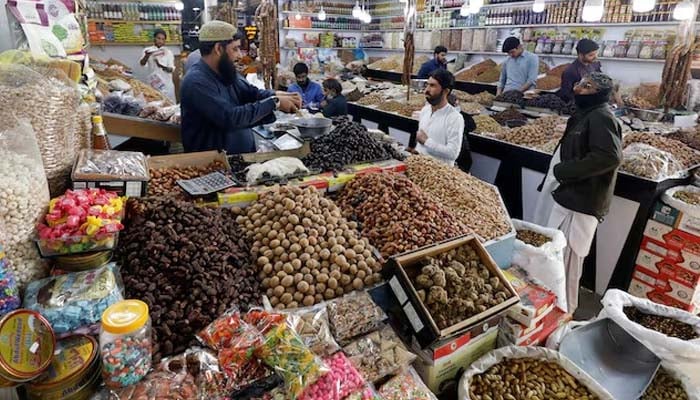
[131, 44]
[321, 48]
[592, 25]
[313, 14]
[121, 21]
[569, 56]
[329, 30]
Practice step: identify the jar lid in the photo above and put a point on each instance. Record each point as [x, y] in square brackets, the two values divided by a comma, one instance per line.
[97, 118]
[27, 346]
[125, 316]
[73, 357]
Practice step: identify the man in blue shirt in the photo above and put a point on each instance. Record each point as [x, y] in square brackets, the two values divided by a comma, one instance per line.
[311, 92]
[439, 61]
[219, 107]
[519, 71]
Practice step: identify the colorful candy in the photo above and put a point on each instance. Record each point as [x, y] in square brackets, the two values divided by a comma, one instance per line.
[407, 386]
[9, 293]
[341, 381]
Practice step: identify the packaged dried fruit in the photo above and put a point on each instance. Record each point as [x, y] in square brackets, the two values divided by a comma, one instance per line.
[341, 381]
[379, 354]
[354, 315]
[407, 386]
[312, 325]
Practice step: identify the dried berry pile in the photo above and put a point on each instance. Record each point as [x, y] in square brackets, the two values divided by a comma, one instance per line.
[511, 96]
[395, 215]
[348, 143]
[665, 325]
[188, 263]
[533, 238]
[510, 114]
[547, 100]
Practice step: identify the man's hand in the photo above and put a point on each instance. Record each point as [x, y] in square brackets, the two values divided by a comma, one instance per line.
[288, 105]
[411, 150]
[421, 136]
[499, 91]
[164, 68]
[145, 57]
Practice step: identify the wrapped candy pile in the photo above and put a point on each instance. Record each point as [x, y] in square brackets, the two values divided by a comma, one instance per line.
[80, 221]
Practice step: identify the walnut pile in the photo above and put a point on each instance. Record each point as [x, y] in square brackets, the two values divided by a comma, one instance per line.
[639, 102]
[456, 285]
[684, 154]
[532, 238]
[475, 203]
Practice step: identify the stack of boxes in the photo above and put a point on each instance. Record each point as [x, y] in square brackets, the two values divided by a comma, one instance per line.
[667, 270]
[530, 322]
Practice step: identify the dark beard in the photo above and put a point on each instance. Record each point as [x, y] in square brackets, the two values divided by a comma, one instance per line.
[304, 84]
[433, 101]
[591, 100]
[227, 70]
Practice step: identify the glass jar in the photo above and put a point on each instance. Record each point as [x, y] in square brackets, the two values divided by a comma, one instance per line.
[548, 46]
[573, 51]
[125, 343]
[531, 46]
[635, 48]
[558, 46]
[621, 49]
[540, 46]
[660, 50]
[609, 49]
[568, 47]
[647, 50]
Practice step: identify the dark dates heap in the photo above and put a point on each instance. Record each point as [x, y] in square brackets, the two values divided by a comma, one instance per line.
[547, 100]
[511, 96]
[348, 143]
[189, 264]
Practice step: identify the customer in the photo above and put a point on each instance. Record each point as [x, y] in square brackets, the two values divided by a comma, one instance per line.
[160, 63]
[585, 64]
[439, 61]
[440, 126]
[335, 104]
[519, 71]
[219, 107]
[311, 92]
[578, 188]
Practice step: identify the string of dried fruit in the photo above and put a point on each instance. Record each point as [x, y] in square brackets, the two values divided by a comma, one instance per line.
[266, 20]
[409, 53]
[676, 73]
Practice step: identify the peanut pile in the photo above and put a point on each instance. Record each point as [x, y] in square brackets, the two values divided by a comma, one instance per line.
[665, 387]
[487, 125]
[537, 134]
[667, 326]
[527, 378]
[396, 107]
[684, 154]
[533, 238]
[370, 99]
[395, 215]
[471, 108]
[475, 203]
[483, 98]
[456, 285]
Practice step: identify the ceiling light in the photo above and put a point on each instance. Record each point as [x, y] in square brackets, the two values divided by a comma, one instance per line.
[297, 16]
[642, 6]
[356, 11]
[322, 14]
[593, 11]
[538, 6]
[684, 11]
[464, 10]
[179, 6]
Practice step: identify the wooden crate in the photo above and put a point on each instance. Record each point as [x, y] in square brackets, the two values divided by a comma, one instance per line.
[406, 266]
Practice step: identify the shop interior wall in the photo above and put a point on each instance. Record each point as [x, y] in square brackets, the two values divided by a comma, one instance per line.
[129, 55]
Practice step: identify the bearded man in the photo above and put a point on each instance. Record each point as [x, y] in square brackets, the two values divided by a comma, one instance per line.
[441, 126]
[219, 107]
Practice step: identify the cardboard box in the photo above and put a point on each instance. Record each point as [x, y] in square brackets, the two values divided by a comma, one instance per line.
[675, 218]
[538, 335]
[132, 187]
[198, 159]
[656, 230]
[442, 365]
[424, 328]
[535, 300]
[664, 290]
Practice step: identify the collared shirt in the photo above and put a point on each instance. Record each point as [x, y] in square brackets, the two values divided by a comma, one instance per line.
[217, 116]
[312, 94]
[573, 74]
[516, 72]
[445, 130]
[428, 67]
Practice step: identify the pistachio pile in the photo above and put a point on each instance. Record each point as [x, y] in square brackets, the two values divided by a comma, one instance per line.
[667, 326]
[456, 285]
[475, 203]
[304, 249]
[692, 198]
[487, 125]
[532, 238]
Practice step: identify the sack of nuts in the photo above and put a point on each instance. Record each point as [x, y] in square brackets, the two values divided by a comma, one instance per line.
[509, 371]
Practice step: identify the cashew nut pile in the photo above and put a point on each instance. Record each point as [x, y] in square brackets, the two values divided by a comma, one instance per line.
[475, 203]
[527, 378]
[395, 214]
[684, 154]
[456, 285]
[305, 250]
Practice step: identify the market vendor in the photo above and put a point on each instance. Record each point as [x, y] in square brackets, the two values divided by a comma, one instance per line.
[160, 63]
[439, 61]
[585, 63]
[311, 92]
[519, 71]
[441, 126]
[219, 107]
[335, 104]
[578, 189]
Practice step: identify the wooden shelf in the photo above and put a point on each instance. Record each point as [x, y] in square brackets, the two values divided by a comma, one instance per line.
[121, 21]
[313, 14]
[131, 44]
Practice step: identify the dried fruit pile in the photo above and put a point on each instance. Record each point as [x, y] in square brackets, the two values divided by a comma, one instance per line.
[547, 100]
[683, 154]
[549, 82]
[511, 96]
[533, 238]
[665, 387]
[163, 181]
[483, 98]
[692, 198]
[667, 326]
[486, 124]
[510, 114]
[475, 70]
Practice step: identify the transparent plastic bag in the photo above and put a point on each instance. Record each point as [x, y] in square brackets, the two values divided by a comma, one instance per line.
[119, 85]
[312, 325]
[406, 386]
[338, 383]
[164, 113]
[151, 108]
[354, 315]
[110, 164]
[379, 354]
[649, 162]
[75, 300]
[157, 385]
[9, 292]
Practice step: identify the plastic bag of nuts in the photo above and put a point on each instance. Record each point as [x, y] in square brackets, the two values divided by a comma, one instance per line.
[379, 354]
[681, 340]
[509, 372]
[354, 315]
[311, 323]
[684, 198]
[669, 384]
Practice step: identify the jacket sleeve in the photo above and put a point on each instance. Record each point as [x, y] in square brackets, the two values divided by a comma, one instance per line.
[221, 113]
[568, 79]
[454, 135]
[605, 153]
[423, 72]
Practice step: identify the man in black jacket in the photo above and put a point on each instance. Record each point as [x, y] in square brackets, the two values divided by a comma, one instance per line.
[582, 176]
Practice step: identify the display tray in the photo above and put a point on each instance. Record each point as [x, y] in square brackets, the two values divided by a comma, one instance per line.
[124, 125]
[198, 159]
[505, 105]
[540, 110]
[424, 327]
[77, 244]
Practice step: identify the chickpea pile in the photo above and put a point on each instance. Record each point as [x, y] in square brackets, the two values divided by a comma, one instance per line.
[304, 249]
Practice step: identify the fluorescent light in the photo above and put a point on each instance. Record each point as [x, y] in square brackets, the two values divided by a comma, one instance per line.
[356, 11]
[684, 11]
[593, 11]
[464, 10]
[475, 6]
[297, 16]
[179, 6]
[642, 6]
[538, 6]
[322, 14]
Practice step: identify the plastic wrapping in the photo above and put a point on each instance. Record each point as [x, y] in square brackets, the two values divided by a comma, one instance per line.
[48, 101]
[649, 162]
[110, 164]
[496, 356]
[151, 108]
[164, 113]
[119, 85]
[312, 325]
[9, 292]
[407, 386]
[544, 263]
[689, 209]
[341, 381]
[23, 198]
[120, 103]
[354, 315]
[75, 300]
[379, 354]
[157, 385]
[278, 167]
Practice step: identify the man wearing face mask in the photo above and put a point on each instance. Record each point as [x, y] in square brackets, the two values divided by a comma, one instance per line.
[578, 189]
[219, 107]
[311, 92]
[441, 126]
